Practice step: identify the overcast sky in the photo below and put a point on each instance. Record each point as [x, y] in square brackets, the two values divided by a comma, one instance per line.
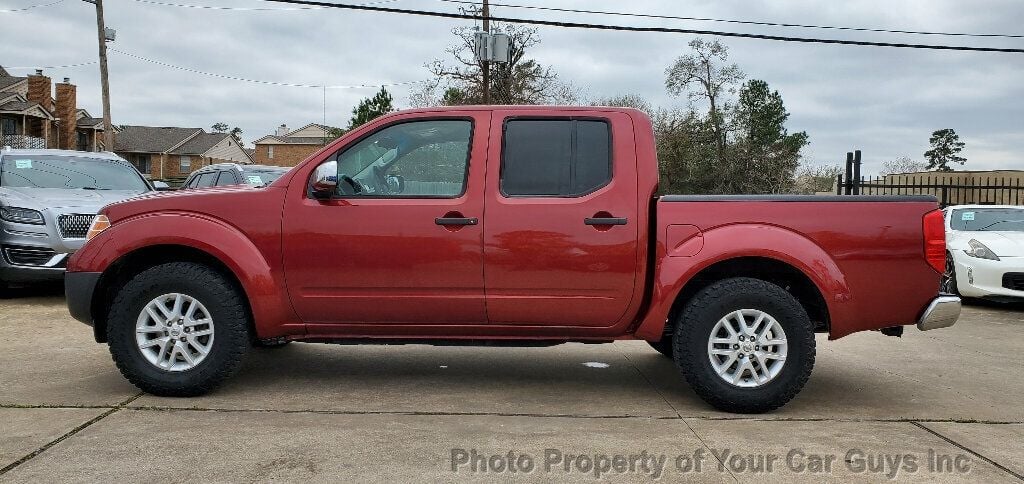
[884, 101]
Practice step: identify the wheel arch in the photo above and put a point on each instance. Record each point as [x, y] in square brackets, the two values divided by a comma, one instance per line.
[124, 268]
[775, 271]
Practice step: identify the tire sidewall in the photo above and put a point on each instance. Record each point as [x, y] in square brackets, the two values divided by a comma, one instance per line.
[694, 330]
[133, 299]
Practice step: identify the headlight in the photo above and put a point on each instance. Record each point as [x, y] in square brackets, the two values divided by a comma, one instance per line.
[980, 251]
[21, 215]
[99, 224]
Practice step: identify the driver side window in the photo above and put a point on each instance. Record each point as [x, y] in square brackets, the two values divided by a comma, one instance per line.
[415, 159]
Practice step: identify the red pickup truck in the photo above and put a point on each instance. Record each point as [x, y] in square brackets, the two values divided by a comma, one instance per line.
[504, 226]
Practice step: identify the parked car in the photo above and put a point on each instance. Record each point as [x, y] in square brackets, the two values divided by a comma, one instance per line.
[226, 174]
[985, 251]
[504, 226]
[48, 199]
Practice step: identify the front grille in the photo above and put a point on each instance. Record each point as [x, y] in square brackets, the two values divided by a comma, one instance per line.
[27, 256]
[1014, 280]
[74, 226]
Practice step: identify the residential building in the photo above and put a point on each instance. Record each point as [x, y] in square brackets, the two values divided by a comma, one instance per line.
[171, 152]
[32, 115]
[288, 148]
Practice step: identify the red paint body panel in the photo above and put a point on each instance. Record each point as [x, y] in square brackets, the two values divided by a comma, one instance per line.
[381, 268]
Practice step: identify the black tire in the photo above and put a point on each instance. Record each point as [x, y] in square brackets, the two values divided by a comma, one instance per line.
[699, 318]
[949, 277]
[664, 346]
[223, 301]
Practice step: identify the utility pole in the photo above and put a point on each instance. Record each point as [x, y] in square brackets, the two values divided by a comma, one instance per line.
[487, 63]
[108, 128]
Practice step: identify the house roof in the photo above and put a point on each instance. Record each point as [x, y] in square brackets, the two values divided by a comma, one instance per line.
[289, 140]
[17, 106]
[8, 96]
[8, 81]
[152, 139]
[90, 123]
[200, 144]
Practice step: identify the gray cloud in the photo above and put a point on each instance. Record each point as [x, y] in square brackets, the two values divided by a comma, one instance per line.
[881, 100]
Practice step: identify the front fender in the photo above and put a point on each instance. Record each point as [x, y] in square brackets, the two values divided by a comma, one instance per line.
[746, 240]
[263, 285]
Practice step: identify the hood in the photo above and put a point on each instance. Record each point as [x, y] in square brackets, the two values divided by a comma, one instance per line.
[1003, 244]
[47, 198]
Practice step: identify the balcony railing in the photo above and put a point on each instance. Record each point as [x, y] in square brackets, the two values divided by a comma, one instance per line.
[22, 141]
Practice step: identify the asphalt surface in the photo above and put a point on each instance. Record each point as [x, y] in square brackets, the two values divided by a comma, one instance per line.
[939, 406]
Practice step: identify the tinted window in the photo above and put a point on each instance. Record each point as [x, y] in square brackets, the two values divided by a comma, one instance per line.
[555, 157]
[226, 178]
[207, 179]
[413, 159]
[69, 172]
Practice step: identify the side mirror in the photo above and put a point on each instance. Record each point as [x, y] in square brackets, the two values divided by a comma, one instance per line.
[325, 181]
[161, 186]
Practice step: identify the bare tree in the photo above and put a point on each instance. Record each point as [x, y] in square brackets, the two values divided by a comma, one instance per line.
[903, 164]
[816, 178]
[704, 75]
[634, 101]
[522, 80]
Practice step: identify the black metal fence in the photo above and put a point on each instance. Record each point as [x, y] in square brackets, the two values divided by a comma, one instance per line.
[951, 188]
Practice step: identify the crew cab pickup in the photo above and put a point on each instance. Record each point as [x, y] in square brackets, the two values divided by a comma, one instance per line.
[504, 226]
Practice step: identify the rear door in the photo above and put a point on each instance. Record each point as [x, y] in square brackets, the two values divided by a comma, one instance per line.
[560, 230]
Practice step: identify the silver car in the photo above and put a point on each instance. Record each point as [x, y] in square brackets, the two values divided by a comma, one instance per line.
[48, 199]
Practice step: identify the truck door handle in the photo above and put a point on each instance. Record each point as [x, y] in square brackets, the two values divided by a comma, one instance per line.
[455, 221]
[605, 221]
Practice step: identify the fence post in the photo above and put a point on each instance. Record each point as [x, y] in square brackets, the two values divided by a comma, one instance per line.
[839, 184]
[945, 198]
[856, 172]
[849, 173]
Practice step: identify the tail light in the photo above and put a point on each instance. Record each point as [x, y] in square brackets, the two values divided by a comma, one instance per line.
[935, 240]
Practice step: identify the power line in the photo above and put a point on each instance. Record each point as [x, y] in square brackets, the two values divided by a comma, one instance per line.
[258, 81]
[30, 7]
[246, 9]
[65, 66]
[623, 28]
[743, 22]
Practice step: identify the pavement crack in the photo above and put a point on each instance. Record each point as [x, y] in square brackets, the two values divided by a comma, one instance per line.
[969, 450]
[68, 434]
[674, 409]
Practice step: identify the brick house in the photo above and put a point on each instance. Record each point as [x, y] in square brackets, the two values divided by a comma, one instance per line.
[35, 115]
[170, 152]
[288, 148]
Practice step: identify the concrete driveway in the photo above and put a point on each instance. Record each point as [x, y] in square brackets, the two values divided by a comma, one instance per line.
[938, 406]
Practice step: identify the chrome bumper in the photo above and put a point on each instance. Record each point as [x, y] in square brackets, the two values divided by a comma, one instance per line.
[941, 313]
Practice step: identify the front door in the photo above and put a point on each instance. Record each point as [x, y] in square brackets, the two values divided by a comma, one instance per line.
[561, 227]
[401, 242]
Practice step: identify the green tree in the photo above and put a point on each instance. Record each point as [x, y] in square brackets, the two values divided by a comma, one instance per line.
[371, 108]
[767, 155]
[946, 148]
[235, 132]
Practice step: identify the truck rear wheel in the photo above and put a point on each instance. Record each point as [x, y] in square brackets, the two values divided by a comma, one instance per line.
[744, 345]
[178, 329]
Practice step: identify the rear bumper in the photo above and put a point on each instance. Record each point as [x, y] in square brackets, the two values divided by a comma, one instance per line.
[78, 290]
[942, 312]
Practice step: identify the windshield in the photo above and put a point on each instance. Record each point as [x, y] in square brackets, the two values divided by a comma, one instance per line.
[40, 171]
[261, 178]
[988, 219]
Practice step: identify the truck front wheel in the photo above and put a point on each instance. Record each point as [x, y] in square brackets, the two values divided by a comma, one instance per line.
[178, 329]
[744, 345]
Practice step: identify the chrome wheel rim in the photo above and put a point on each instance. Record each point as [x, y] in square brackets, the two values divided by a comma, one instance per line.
[747, 348]
[174, 332]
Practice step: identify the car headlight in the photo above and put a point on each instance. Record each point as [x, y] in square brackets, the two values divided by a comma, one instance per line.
[980, 251]
[99, 224]
[21, 215]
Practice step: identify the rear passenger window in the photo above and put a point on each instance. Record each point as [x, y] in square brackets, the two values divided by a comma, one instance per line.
[226, 178]
[555, 157]
[207, 179]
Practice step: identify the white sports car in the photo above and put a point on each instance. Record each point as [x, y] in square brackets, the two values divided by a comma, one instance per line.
[985, 251]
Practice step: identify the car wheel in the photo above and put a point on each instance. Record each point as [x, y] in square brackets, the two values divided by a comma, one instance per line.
[949, 277]
[744, 345]
[664, 346]
[178, 329]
